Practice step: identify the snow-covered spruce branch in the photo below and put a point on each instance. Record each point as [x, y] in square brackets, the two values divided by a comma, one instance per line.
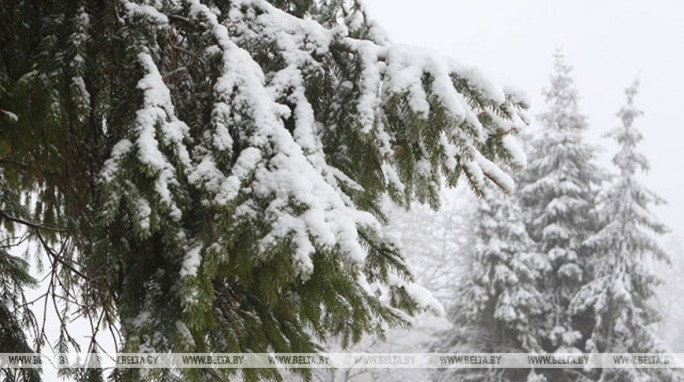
[243, 150]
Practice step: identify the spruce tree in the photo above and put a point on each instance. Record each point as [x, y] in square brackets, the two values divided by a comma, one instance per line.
[500, 305]
[216, 169]
[619, 295]
[558, 194]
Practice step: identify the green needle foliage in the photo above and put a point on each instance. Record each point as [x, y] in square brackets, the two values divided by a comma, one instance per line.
[216, 170]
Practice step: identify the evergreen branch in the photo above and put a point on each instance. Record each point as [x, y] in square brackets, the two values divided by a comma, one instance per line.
[182, 19]
[175, 71]
[24, 166]
[29, 224]
[512, 130]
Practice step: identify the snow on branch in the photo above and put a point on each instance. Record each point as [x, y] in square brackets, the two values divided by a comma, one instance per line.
[293, 106]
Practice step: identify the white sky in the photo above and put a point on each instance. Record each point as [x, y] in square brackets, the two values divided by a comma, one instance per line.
[608, 42]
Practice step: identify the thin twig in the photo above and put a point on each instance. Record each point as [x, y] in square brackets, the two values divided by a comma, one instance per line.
[58, 258]
[27, 223]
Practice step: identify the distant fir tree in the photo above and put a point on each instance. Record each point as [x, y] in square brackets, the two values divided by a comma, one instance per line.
[558, 194]
[215, 169]
[500, 305]
[619, 297]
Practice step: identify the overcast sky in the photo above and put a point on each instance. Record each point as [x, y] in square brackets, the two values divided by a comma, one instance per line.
[608, 42]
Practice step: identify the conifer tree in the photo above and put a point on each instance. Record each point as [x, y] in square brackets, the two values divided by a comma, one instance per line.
[216, 169]
[558, 193]
[619, 295]
[500, 305]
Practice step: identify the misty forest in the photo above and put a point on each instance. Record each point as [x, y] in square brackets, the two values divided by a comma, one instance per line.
[278, 176]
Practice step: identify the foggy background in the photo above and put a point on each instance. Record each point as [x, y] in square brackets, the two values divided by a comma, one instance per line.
[608, 43]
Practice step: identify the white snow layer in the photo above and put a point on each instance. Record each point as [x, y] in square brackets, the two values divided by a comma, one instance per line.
[191, 262]
[286, 167]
